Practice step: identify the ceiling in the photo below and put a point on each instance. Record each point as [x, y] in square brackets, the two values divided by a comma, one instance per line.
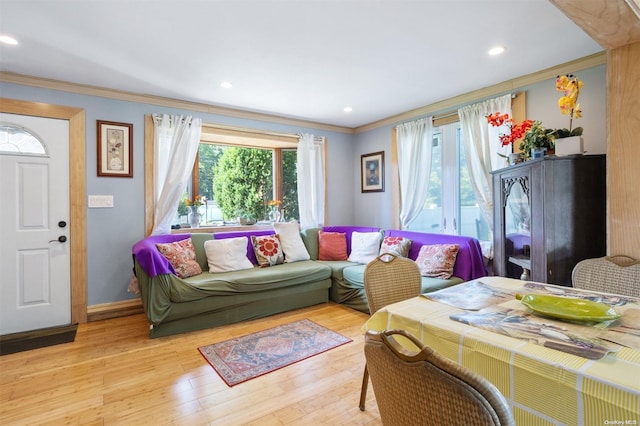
[302, 59]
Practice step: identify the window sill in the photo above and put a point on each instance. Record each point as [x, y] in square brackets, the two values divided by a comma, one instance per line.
[222, 228]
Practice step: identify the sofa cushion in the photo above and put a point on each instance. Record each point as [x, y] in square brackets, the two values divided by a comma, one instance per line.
[292, 244]
[268, 250]
[430, 284]
[251, 254]
[348, 230]
[182, 256]
[469, 262]
[310, 239]
[332, 246]
[364, 246]
[248, 280]
[228, 254]
[437, 260]
[395, 245]
[337, 267]
[354, 276]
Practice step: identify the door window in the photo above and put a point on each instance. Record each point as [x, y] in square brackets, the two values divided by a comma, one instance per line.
[19, 141]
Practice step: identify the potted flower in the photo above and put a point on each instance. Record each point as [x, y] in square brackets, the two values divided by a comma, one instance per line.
[569, 141]
[537, 140]
[245, 218]
[534, 136]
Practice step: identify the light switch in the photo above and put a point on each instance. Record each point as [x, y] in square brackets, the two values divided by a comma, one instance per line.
[100, 201]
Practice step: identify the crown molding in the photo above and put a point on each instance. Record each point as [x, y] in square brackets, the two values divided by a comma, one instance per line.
[497, 89]
[437, 107]
[45, 83]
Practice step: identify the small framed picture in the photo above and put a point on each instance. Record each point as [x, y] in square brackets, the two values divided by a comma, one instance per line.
[115, 149]
[372, 170]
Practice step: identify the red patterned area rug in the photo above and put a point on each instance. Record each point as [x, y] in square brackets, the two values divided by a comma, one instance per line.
[247, 357]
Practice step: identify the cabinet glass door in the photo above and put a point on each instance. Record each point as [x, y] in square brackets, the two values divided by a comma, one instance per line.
[517, 220]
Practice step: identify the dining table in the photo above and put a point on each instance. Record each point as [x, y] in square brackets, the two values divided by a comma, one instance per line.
[555, 367]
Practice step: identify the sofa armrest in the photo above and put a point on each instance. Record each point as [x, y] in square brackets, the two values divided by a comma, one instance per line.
[469, 261]
[148, 256]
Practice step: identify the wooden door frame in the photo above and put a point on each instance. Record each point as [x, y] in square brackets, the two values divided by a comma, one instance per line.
[77, 191]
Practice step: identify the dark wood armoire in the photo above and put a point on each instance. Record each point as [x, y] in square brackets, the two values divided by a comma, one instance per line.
[549, 213]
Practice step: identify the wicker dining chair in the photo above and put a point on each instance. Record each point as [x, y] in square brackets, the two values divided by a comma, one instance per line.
[610, 274]
[425, 388]
[388, 279]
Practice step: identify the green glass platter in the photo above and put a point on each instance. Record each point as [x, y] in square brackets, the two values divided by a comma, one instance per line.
[568, 308]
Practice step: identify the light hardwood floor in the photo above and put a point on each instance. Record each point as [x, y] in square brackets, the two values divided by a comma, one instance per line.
[113, 374]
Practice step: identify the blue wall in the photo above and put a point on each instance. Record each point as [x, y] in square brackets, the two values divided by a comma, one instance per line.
[374, 209]
[111, 232]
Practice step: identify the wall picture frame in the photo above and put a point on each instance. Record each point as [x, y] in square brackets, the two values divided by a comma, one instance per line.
[372, 172]
[114, 149]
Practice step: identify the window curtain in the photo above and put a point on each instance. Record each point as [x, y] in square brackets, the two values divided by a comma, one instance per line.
[414, 140]
[481, 147]
[176, 140]
[310, 165]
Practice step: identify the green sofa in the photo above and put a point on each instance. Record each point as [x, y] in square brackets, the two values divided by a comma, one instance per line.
[177, 305]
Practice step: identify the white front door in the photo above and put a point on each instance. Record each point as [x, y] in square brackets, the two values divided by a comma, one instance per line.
[35, 288]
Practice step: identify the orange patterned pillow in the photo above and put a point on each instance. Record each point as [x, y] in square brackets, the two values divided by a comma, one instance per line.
[268, 250]
[182, 256]
[332, 246]
[437, 260]
[396, 245]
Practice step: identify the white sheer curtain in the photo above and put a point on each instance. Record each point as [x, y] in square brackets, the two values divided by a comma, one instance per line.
[175, 147]
[415, 145]
[310, 181]
[481, 148]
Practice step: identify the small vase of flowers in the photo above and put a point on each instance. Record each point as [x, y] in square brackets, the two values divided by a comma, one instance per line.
[274, 210]
[194, 207]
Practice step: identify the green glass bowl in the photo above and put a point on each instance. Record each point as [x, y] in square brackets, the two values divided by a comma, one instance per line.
[568, 308]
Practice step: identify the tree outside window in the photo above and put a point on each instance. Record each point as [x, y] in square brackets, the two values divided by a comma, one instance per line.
[240, 180]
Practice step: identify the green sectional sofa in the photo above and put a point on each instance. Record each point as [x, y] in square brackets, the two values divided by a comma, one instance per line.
[177, 305]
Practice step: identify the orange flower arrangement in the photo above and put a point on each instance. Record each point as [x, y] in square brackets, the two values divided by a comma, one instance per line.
[517, 131]
[198, 201]
[272, 203]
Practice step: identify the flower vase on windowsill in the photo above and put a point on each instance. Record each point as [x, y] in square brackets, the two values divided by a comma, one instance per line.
[274, 214]
[195, 217]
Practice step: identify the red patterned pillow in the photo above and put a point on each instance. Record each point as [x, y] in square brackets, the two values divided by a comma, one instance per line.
[437, 260]
[268, 250]
[396, 245]
[332, 246]
[182, 256]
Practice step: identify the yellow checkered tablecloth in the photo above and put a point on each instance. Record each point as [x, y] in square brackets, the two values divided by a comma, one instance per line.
[543, 386]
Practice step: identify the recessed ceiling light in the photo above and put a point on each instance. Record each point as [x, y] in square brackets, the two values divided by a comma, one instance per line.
[496, 50]
[8, 40]
[348, 109]
[226, 85]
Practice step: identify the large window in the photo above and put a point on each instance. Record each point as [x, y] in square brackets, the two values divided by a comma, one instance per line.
[239, 172]
[451, 206]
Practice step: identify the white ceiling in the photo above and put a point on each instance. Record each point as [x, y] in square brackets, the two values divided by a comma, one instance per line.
[304, 59]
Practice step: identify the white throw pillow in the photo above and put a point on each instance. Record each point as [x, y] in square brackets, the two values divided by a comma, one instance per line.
[229, 254]
[292, 245]
[364, 246]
